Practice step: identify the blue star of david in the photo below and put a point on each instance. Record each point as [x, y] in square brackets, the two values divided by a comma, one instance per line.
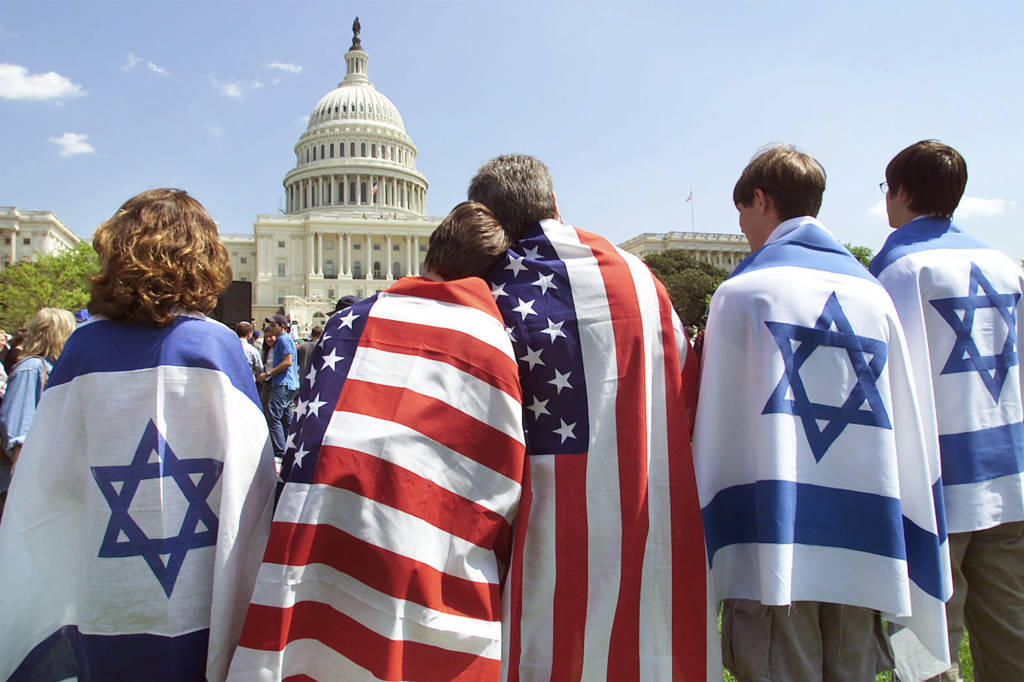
[124, 537]
[965, 356]
[857, 348]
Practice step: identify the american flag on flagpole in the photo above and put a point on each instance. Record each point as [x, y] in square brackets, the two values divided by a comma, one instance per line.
[405, 466]
[689, 197]
[608, 573]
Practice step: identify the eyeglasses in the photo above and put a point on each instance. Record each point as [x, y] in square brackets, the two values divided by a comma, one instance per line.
[884, 186]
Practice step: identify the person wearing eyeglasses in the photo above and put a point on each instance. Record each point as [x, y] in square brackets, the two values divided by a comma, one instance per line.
[960, 303]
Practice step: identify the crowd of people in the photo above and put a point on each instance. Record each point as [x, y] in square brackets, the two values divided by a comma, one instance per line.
[516, 466]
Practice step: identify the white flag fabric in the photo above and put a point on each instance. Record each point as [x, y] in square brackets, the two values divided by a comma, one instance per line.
[816, 478]
[139, 508]
[962, 308]
[405, 466]
[608, 576]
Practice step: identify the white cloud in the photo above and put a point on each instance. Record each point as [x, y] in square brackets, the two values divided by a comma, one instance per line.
[975, 207]
[304, 120]
[73, 143]
[17, 83]
[214, 131]
[970, 207]
[156, 69]
[134, 60]
[285, 66]
[236, 89]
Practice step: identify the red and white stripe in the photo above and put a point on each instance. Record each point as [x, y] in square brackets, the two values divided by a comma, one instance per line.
[389, 564]
[608, 574]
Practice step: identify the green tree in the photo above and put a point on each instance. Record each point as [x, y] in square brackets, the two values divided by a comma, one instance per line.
[58, 280]
[690, 282]
[861, 253]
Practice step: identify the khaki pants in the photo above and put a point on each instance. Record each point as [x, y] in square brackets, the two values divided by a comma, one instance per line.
[988, 594]
[803, 641]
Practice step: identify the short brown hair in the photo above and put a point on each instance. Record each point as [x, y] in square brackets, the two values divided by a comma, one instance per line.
[795, 181]
[933, 174]
[47, 333]
[159, 252]
[468, 242]
[518, 190]
[243, 329]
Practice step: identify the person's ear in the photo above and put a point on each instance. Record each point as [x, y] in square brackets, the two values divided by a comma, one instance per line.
[554, 200]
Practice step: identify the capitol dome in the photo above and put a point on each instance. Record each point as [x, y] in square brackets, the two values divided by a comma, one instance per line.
[355, 155]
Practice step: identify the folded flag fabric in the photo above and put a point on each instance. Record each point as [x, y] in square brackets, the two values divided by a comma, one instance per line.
[139, 508]
[608, 577]
[405, 467]
[962, 308]
[818, 481]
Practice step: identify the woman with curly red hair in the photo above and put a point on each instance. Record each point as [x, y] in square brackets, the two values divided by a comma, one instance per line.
[141, 504]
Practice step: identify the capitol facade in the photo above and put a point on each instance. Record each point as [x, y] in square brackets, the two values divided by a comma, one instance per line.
[355, 211]
[355, 208]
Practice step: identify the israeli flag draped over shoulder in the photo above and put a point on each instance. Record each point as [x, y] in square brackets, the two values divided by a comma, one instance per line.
[962, 308]
[817, 480]
[139, 508]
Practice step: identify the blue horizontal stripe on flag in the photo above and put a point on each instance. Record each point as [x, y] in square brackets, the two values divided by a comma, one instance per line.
[807, 247]
[923, 554]
[790, 512]
[68, 653]
[114, 346]
[982, 455]
[922, 234]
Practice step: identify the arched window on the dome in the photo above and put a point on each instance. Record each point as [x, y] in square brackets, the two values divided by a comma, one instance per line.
[332, 150]
[351, 148]
[361, 108]
[351, 192]
[314, 153]
[373, 150]
[341, 149]
[362, 149]
[344, 108]
[321, 151]
[307, 154]
[362, 192]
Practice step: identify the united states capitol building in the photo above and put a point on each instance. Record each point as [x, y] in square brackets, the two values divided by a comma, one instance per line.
[355, 210]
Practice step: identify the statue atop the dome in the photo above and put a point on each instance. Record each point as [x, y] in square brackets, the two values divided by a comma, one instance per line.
[356, 43]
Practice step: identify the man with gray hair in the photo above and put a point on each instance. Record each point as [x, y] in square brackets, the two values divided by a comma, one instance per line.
[607, 578]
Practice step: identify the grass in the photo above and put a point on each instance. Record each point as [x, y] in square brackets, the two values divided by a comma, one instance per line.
[966, 664]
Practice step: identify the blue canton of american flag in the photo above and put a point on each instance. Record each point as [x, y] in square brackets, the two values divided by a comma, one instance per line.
[328, 371]
[534, 286]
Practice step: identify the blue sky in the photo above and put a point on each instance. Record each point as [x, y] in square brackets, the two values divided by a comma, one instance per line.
[631, 107]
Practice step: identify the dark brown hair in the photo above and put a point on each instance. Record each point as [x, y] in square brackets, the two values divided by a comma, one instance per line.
[467, 243]
[795, 181]
[160, 252]
[933, 174]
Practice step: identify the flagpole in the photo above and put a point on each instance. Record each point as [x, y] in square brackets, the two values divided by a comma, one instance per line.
[692, 229]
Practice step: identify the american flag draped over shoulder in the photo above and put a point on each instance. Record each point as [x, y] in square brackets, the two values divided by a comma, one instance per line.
[393, 533]
[608, 571]
[139, 509]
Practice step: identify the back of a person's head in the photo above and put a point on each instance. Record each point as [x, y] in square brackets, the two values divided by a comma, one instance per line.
[316, 332]
[159, 252]
[469, 242]
[243, 329]
[518, 190]
[794, 181]
[47, 332]
[933, 174]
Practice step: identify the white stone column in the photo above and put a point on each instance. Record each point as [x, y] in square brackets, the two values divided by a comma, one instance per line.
[310, 238]
[368, 258]
[320, 257]
[14, 244]
[416, 255]
[347, 261]
[387, 260]
[408, 255]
